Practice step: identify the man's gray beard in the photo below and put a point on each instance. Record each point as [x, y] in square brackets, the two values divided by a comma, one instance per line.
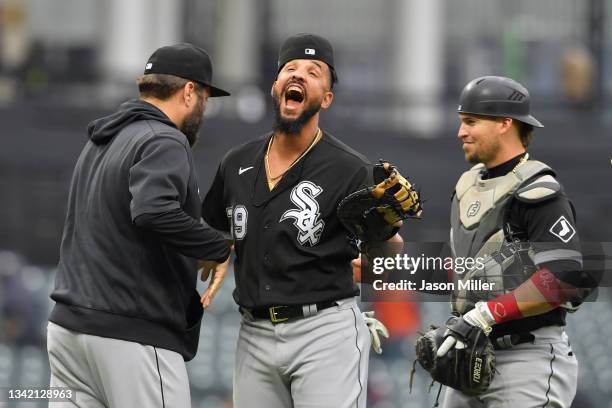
[292, 127]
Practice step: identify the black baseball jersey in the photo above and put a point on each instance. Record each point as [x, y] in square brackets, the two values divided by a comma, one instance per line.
[290, 247]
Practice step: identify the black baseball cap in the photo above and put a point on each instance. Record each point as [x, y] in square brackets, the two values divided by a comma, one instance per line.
[186, 61]
[307, 46]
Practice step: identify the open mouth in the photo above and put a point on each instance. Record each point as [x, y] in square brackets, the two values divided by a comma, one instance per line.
[294, 95]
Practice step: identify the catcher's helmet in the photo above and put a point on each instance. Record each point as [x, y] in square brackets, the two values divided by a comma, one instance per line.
[497, 96]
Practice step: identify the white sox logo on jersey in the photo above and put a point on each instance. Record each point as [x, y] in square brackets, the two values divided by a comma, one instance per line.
[307, 215]
[563, 230]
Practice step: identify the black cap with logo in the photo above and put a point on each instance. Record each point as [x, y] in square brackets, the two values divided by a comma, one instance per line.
[186, 61]
[307, 46]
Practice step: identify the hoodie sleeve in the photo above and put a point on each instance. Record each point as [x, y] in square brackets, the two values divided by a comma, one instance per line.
[185, 234]
[158, 185]
[158, 179]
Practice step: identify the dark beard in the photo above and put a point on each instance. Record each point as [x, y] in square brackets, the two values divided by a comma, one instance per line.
[192, 123]
[292, 127]
[473, 159]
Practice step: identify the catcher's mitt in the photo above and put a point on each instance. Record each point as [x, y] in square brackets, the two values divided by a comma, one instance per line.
[470, 368]
[373, 213]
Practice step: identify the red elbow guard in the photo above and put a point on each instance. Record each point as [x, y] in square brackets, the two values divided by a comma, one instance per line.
[549, 286]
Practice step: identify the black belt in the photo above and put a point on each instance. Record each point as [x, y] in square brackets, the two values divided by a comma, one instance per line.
[279, 314]
[507, 341]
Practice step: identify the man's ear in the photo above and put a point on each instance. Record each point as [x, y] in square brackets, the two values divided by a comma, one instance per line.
[188, 93]
[506, 124]
[327, 99]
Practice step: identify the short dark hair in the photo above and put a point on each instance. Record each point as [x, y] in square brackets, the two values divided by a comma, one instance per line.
[525, 132]
[162, 86]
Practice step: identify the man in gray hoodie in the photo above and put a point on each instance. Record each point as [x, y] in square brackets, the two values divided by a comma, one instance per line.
[127, 314]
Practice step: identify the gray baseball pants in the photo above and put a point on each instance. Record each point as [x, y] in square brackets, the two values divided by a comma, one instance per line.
[543, 375]
[315, 362]
[107, 372]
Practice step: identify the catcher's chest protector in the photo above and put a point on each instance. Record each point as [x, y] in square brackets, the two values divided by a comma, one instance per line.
[477, 230]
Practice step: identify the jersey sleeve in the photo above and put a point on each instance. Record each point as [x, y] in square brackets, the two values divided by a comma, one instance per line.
[213, 206]
[551, 228]
[159, 178]
[361, 178]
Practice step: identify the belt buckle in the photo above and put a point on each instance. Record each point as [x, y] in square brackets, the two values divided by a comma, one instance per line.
[273, 313]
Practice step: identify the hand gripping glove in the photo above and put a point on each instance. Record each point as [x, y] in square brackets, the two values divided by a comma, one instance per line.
[469, 366]
[372, 214]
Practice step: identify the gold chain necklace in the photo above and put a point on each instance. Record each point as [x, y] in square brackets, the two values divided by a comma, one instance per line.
[271, 180]
[521, 162]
